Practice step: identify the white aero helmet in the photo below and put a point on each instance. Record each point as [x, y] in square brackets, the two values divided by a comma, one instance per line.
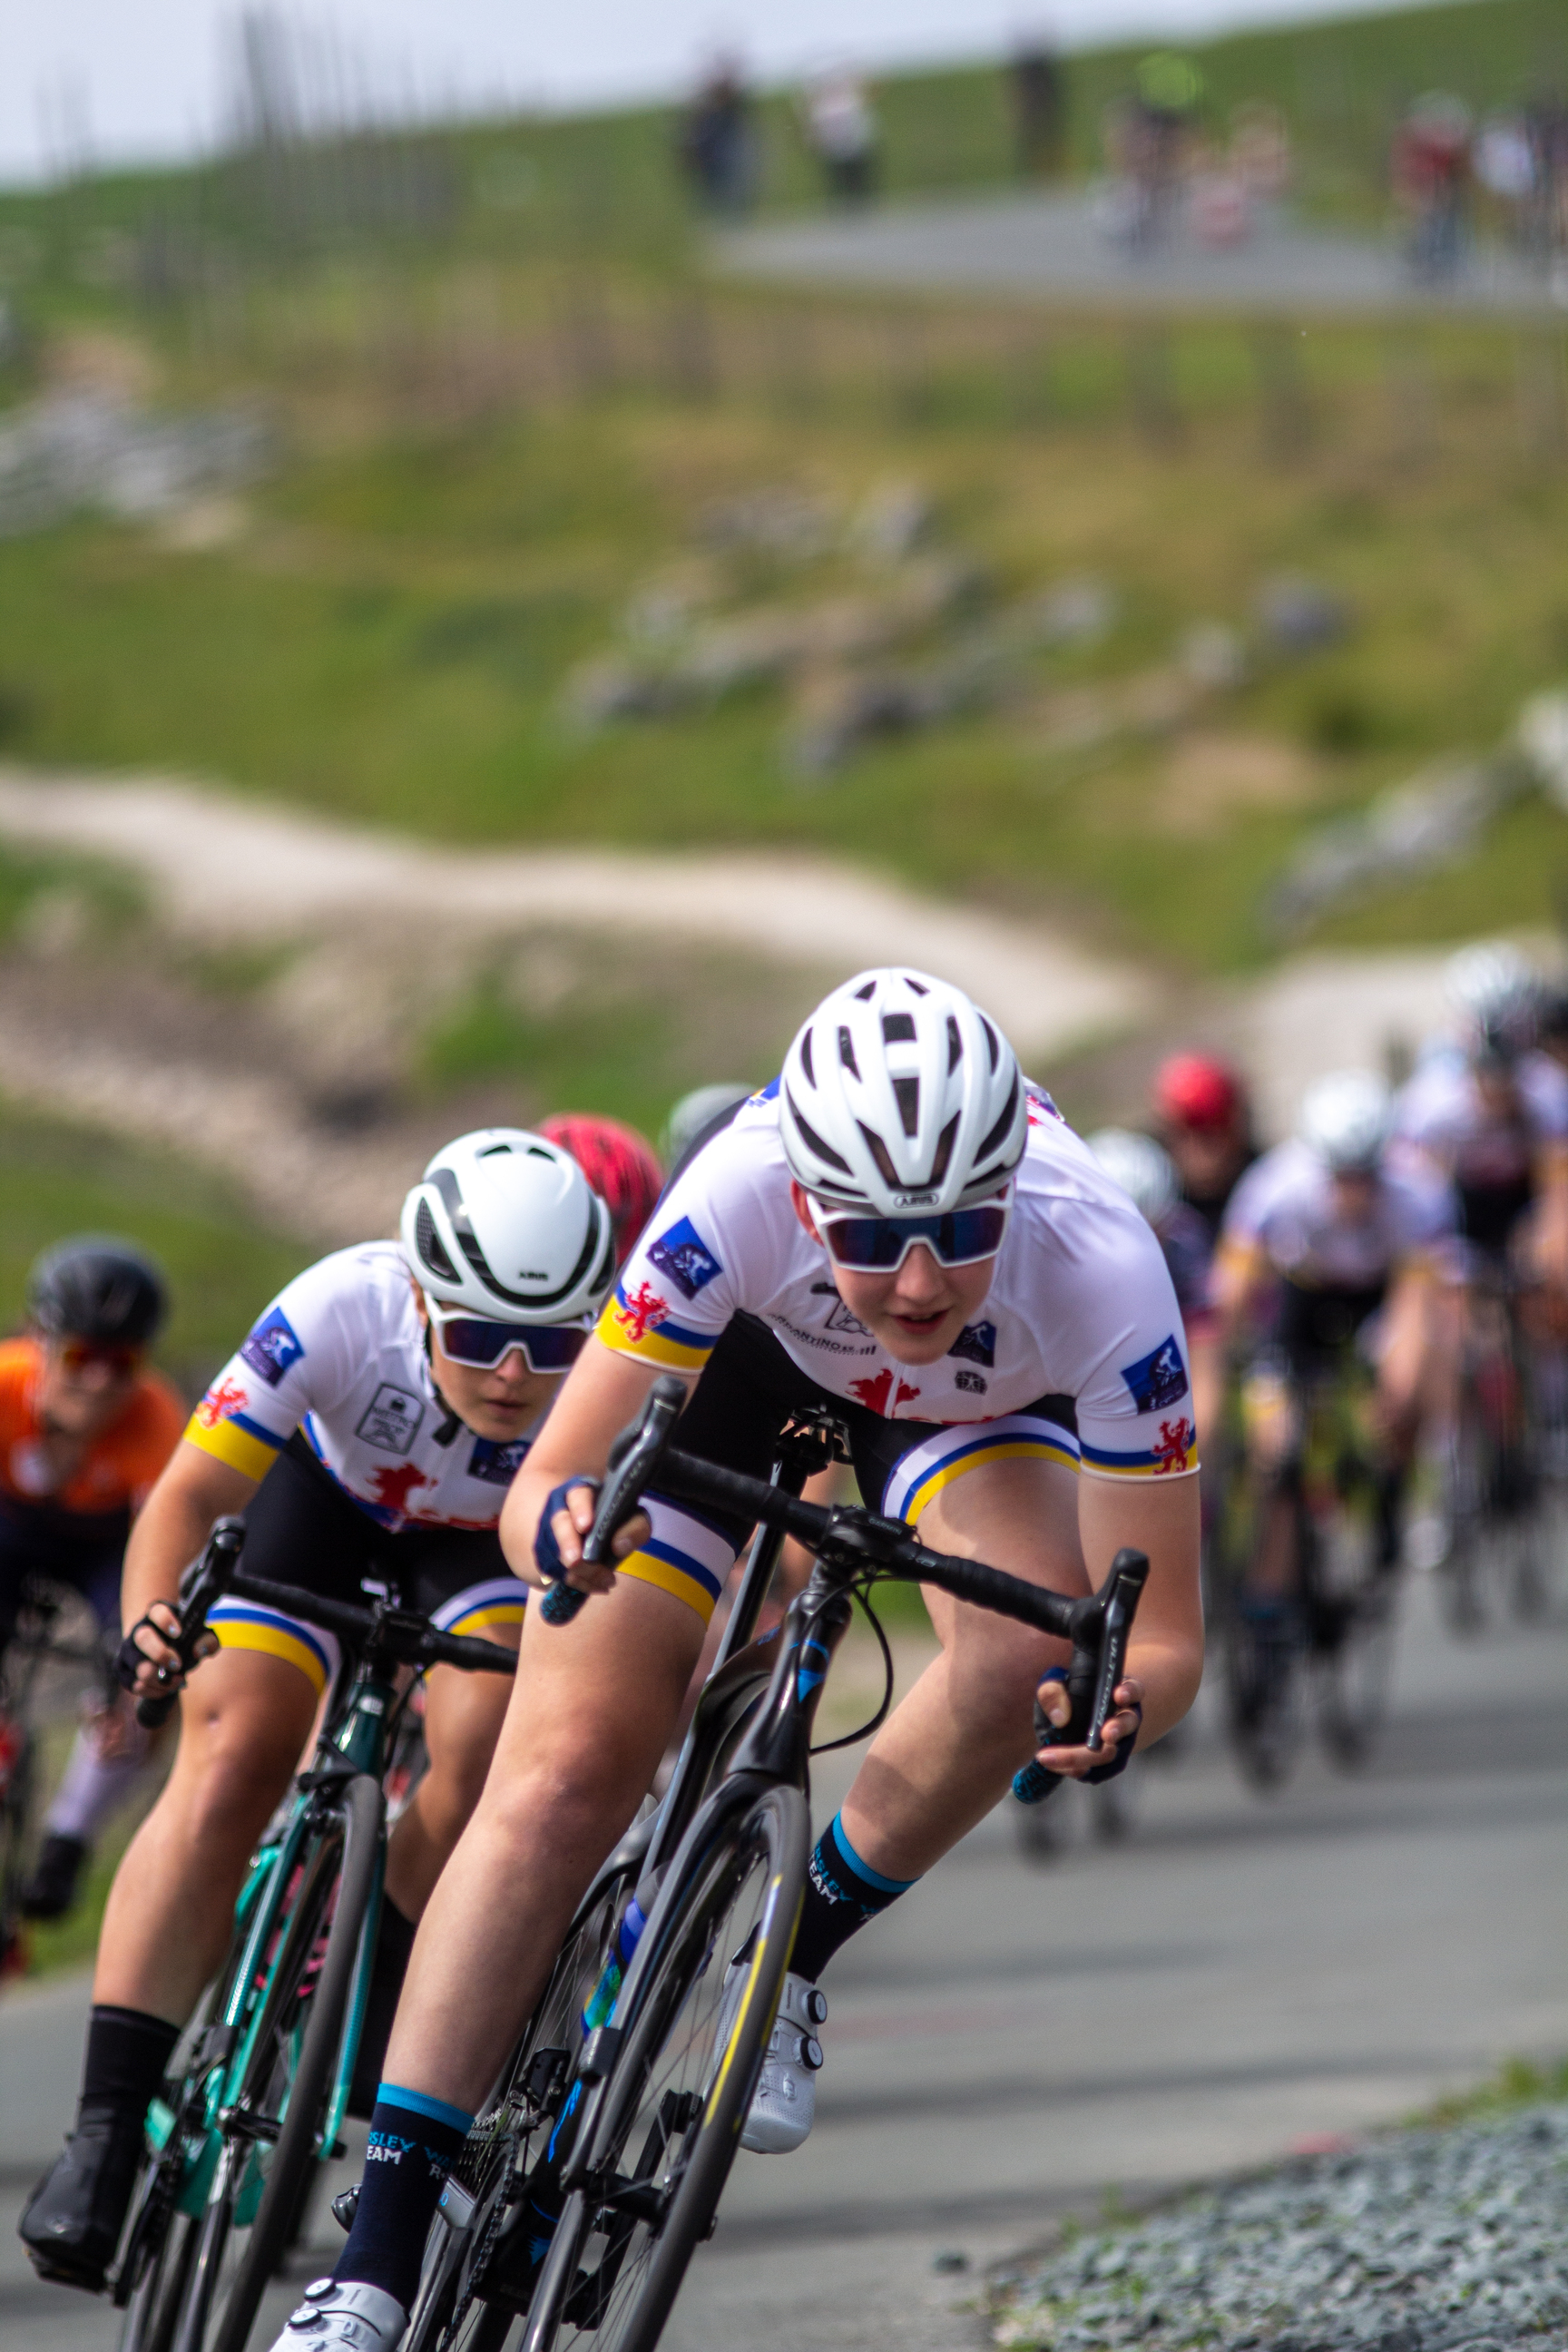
[504, 1225]
[900, 1097]
[1345, 1121]
[1494, 988]
[1142, 1167]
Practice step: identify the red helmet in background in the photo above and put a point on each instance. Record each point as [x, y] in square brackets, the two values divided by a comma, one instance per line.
[1196, 1090]
[621, 1165]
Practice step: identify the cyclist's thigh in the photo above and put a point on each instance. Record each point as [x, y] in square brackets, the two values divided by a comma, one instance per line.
[459, 1578]
[594, 1701]
[1021, 1515]
[244, 1719]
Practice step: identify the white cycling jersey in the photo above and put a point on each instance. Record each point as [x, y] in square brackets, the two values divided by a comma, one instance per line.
[1285, 1205]
[340, 1354]
[1443, 1113]
[1080, 1305]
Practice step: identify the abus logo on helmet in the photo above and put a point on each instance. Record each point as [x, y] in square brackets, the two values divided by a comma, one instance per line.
[915, 1200]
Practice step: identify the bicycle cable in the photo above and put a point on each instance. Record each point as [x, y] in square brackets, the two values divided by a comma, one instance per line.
[861, 1594]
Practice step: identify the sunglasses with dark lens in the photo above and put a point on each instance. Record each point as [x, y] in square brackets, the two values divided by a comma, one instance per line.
[881, 1244]
[481, 1345]
[78, 1355]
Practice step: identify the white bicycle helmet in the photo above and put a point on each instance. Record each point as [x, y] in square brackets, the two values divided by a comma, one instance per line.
[1345, 1121]
[1142, 1167]
[1494, 988]
[901, 1097]
[504, 1225]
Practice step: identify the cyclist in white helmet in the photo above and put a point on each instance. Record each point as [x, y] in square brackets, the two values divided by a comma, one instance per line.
[903, 1229]
[368, 1427]
[1492, 1115]
[1325, 1242]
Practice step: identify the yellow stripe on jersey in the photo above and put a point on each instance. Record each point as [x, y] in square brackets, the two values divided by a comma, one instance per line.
[273, 1642]
[647, 1568]
[490, 1612]
[243, 1448]
[1008, 1449]
[641, 1328]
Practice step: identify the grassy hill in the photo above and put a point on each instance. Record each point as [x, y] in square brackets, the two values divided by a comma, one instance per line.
[506, 414]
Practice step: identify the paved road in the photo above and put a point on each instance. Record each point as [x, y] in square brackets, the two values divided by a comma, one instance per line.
[1054, 249]
[1013, 2042]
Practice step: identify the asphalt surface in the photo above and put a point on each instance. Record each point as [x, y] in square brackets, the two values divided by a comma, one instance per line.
[1055, 248]
[1240, 1977]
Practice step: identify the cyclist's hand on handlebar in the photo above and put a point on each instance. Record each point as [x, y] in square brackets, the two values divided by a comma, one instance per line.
[1076, 1763]
[558, 1546]
[146, 1651]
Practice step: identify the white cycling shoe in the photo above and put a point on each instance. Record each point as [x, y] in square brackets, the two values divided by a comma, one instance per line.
[346, 2316]
[783, 2104]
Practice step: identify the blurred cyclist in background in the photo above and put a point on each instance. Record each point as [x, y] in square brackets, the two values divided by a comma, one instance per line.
[1205, 1122]
[621, 1166]
[1326, 1244]
[85, 1428]
[702, 1111]
[1492, 1115]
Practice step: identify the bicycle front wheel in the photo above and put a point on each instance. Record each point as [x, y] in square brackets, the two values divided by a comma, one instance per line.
[700, 2009]
[268, 2136]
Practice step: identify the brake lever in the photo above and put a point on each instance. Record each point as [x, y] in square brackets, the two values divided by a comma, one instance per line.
[634, 1458]
[1099, 1660]
[200, 1586]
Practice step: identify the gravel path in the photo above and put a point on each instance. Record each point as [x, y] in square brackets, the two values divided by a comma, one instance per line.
[1052, 247]
[227, 868]
[1429, 2241]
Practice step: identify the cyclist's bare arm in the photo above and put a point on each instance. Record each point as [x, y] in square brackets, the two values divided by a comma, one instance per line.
[1165, 1656]
[1551, 1227]
[600, 1395]
[1240, 1273]
[172, 1525]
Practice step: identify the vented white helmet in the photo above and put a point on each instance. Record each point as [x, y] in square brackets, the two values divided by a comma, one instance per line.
[1141, 1167]
[504, 1225]
[901, 1097]
[1345, 1121]
[1494, 987]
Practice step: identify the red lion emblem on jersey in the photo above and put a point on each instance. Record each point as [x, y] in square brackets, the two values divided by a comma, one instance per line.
[643, 1310]
[1174, 1444]
[220, 1403]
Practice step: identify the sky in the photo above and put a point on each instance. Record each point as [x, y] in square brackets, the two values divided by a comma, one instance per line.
[118, 80]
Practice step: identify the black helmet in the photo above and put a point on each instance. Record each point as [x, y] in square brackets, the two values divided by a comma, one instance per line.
[96, 1286]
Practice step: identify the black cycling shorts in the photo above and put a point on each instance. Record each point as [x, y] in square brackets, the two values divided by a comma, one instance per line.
[302, 1529]
[84, 1550]
[1317, 1322]
[749, 1388]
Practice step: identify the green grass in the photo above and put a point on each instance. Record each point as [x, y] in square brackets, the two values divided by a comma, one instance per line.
[57, 1179]
[391, 641]
[1518, 2082]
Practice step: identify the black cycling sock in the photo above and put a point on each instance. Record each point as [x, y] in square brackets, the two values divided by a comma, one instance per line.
[394, 1944]
[413, 2143]
[842, 1893]
[127, 2052]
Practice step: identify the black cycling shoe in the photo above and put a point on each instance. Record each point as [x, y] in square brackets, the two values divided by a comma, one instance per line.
[57, 1875]
[73, 2219]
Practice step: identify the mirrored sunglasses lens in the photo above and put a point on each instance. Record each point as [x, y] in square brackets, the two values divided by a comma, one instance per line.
[865, 1244]
[481, 1345]
[972, 1234]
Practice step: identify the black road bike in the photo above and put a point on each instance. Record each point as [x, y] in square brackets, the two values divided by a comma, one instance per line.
[255, 2101]
[597, 2167]
[34, 1643]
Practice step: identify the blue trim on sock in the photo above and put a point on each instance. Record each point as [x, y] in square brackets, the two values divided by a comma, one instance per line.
[458, 2119]
[872, 1877]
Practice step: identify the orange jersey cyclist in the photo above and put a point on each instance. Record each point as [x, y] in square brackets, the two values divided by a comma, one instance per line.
[903, 1229]
[369, 1427]
[86, 1425]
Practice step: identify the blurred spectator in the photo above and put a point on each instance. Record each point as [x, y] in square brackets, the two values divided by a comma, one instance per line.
[1205, 1122]
[1430, 172]
[718, 141]
[1149, 138]
[1039, 107]
[1260, 150]
[841, 130]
